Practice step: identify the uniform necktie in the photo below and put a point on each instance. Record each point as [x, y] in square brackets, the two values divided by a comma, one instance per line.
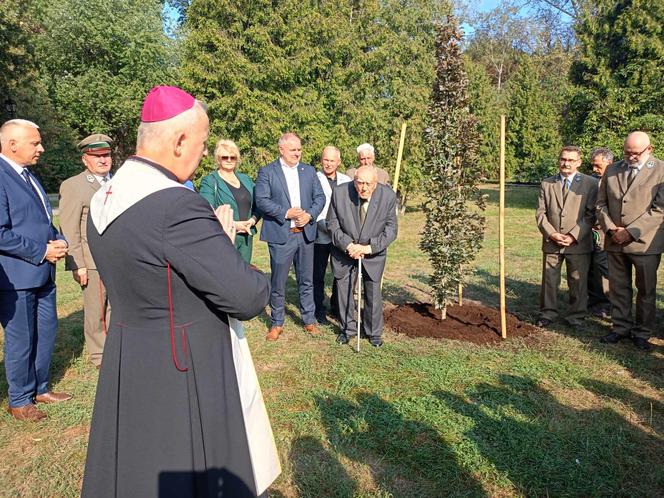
[565, 188]
[633, 170]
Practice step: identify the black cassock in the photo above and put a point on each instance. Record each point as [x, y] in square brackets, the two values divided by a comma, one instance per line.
[178, 412]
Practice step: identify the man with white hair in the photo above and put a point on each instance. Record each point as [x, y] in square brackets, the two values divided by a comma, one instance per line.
[630, 210]
[178, 410]
[29, 248]
[366, 156]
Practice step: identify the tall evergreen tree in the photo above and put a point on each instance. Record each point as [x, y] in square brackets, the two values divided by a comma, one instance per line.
[340, 72]
[98, 59]
[454, 229]
[533, 137]
[619, 72]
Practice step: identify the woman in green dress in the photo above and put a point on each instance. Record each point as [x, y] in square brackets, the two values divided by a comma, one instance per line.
[228, 186]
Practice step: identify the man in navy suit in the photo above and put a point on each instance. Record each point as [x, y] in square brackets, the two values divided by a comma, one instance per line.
[290, 197]
[29, 248]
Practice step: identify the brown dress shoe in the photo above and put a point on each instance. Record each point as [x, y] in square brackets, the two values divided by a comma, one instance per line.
[51, 397]
[28, 412]
[312, 329]
[274, 333]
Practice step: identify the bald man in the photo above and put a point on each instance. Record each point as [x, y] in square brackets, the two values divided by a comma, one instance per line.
[178, 411]
[362, 222]
[630, 210]
[329, 178]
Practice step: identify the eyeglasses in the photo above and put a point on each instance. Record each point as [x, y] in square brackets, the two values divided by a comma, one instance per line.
[228, 158]
[627, 153]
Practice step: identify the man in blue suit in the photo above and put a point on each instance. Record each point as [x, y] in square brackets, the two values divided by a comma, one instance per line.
[290, 198]
[29, 248]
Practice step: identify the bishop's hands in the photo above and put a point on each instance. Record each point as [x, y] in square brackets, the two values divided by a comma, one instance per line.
[357, 251]
[55, 251]
[299, 216]
[244, 226]
[224, 214]
[563, 240]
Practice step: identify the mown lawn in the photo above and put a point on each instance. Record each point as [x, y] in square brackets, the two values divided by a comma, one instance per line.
[555, 415]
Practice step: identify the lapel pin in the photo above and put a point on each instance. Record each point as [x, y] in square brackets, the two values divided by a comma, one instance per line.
[90, 178]
[650, 165]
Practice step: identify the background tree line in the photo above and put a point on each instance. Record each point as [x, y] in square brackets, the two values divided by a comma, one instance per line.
[336, 71]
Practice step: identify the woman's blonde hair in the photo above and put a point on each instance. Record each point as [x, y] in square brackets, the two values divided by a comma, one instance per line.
[228, 145]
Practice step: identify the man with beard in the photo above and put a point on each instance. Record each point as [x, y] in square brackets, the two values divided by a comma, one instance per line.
[630, 209]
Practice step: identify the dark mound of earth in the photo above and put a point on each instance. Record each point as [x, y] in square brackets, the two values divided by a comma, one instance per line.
[471, 322]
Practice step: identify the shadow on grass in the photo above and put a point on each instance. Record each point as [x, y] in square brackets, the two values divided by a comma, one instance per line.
[317, 472]
[407, 458]
[69, 343]
[545, 448]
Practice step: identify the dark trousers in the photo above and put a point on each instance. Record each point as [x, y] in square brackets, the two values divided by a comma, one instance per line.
[372, 305]
[30, 320]
[577, 282]
[644, 266]
[598, 281]
[321, 260]
[296, 251]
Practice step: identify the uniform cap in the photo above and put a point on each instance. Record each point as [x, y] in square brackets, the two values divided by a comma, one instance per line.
[96, 144]
[165, 102]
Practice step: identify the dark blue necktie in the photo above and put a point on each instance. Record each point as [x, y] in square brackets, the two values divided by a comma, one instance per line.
[26, 176]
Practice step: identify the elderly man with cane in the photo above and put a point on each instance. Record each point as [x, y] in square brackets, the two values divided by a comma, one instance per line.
[362, 222]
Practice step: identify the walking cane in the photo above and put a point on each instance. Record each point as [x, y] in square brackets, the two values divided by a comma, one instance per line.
[359, 301]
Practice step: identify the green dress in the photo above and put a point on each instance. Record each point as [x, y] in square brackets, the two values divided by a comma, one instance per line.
[215, 190]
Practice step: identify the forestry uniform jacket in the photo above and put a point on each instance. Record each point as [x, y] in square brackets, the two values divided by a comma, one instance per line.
[573, 215]
[639, 206]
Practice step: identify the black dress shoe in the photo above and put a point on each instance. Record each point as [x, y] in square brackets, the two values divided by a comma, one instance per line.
[322, 319]
[342, 339]
[377, 344]
[613, 338]
[642, 344]
[543, 322]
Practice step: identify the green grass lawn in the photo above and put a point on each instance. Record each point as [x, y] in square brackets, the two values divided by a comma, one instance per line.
[555, 415]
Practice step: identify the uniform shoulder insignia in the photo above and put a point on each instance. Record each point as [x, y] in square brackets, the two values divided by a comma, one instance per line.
[90, 178]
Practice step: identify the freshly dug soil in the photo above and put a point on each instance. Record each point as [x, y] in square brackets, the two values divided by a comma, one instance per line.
[471, 322]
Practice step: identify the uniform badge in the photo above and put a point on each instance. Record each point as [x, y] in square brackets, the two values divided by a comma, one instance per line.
[90, 178]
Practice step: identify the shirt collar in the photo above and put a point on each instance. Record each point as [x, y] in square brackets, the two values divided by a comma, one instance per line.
[570, 178]
[16, 167]
[284, 165]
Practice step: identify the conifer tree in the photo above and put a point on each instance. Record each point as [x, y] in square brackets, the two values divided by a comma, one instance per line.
[454, 228]
[618, 72]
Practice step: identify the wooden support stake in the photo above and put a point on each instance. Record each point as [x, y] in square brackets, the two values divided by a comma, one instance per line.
[460, 294]
[501, 230]
[399, 156]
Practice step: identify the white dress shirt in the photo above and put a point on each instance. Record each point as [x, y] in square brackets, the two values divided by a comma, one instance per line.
[19, 170]
[293, 182]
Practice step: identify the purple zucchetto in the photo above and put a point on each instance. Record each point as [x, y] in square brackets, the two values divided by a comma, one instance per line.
[165, 102]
